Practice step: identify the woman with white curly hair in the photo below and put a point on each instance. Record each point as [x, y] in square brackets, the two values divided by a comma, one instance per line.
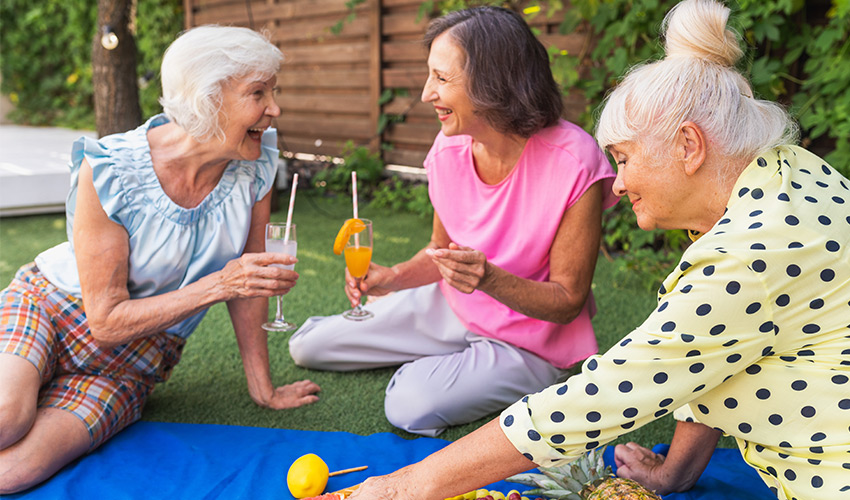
[163, 222]
[750, 336]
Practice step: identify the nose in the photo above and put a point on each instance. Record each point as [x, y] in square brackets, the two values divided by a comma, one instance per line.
[428, 93]
[619, 186]
[272, 109]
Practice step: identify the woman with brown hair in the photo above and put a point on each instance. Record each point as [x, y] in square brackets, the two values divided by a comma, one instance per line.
[498, 304]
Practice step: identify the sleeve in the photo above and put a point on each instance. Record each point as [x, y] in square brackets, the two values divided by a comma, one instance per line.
[713, 320]
[587, 163]
[105, 176]
[266, 165]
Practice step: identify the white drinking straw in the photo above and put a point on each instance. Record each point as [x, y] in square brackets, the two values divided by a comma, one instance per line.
[354, 202]
[291, 204]
[354, 192]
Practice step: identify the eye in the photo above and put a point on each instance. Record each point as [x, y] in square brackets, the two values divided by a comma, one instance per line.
[276, 91]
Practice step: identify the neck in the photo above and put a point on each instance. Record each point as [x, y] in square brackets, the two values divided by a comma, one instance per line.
[187, 170]
[173, 149]
[495, 154]
[717, 192]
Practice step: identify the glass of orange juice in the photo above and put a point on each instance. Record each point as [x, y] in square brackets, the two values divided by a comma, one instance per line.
[358, 256]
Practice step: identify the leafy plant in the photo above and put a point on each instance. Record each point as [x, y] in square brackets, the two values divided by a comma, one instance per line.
[398, 195]
[46, 63]
[336, 178]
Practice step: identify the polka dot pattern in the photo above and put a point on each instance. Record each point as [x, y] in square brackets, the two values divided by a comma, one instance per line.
[749, 337]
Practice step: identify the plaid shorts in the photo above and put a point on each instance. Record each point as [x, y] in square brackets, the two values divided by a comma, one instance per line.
[105, 388]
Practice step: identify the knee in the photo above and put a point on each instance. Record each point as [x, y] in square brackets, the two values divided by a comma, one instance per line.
[15, 421]
[414, 410]
[303, 351]
[314, 345]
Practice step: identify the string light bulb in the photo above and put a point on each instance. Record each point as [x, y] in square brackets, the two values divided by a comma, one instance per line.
[109, 40]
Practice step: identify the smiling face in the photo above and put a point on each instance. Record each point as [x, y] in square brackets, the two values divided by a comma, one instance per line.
[446, 88]
[247, 109]
[654, 188]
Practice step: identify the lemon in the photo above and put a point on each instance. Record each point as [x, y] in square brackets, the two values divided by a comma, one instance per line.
[349, 227]
[307, 476]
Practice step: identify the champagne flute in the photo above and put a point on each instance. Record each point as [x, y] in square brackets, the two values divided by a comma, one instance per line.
[278, 241]
[358, 256]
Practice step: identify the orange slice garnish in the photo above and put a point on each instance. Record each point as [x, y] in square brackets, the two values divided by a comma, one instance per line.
[351, 226]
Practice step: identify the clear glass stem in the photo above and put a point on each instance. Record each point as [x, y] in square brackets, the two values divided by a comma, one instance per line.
[357, 283]
[278, 317]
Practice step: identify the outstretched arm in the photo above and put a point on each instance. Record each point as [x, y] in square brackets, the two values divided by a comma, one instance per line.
[477, 459]
[247, 316]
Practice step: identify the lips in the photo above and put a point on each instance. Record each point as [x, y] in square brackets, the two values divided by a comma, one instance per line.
[443, 113]
[256, 133]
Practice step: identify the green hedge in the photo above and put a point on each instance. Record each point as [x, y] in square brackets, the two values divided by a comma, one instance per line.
[46, 58]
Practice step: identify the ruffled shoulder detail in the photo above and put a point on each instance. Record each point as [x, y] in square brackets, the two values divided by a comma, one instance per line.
[122, 172]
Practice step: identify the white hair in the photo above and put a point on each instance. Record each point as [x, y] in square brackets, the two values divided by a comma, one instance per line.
[696, 82]
[199, 62]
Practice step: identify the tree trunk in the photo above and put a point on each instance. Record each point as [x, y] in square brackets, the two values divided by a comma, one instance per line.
[116, 92]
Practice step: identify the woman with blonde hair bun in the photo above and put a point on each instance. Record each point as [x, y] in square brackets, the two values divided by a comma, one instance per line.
[750, 336]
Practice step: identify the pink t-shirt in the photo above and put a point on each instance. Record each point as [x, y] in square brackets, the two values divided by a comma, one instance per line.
[514, 223]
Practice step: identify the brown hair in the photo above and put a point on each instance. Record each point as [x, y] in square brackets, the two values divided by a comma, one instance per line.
[509, 79]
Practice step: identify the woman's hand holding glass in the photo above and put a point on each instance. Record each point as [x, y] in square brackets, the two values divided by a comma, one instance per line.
[375, 283]
[280, 239]
[255, 275]
[358, 259]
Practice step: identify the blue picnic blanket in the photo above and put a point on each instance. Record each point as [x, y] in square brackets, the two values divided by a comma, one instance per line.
[153, 460]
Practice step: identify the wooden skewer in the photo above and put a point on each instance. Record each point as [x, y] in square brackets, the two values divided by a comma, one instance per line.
[346, 471]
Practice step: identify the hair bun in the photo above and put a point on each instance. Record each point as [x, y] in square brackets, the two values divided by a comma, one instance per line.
[697, 28]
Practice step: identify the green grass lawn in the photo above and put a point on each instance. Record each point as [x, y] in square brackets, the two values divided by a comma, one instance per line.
[208, 386]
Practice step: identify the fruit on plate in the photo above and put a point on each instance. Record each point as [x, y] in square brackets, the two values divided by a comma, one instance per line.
[585, 479]
[349, 227]
[307, 476]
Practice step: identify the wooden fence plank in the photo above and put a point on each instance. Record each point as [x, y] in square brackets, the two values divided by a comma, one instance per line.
[295, 78]
[329, 53]
[318, 30]
[300, 9]
[408, 78]
[333, 127]
[412, 133]
[295, 144]
[408, 51]
[406, 157]
[324, 103]
[394, 24]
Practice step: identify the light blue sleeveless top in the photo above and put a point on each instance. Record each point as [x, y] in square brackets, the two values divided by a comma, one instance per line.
[170, 246]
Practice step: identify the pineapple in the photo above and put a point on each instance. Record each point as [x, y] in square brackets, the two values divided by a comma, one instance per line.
[585, 479]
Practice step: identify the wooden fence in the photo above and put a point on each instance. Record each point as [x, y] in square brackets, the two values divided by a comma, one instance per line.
[331, 84]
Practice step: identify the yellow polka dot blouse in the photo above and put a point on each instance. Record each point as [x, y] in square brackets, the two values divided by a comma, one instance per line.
[751, 336]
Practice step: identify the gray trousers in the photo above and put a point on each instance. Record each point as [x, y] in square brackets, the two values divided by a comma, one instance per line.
[448, 375]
